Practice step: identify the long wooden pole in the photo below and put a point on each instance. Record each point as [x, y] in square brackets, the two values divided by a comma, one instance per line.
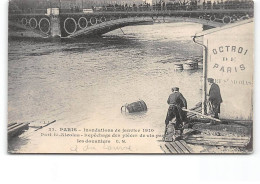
[197, 113]
[209, 117]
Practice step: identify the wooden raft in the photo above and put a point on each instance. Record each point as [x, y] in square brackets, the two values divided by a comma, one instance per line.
[176, 147]
[15, 129]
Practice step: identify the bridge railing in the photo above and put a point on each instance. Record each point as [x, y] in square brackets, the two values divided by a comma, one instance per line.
[28, 11]
[228, 5]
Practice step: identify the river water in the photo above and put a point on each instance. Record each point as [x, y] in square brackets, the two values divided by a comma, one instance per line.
[84, 81]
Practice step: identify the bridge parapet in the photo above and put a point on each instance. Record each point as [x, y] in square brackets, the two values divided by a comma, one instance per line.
[67, 25]
[40, 24]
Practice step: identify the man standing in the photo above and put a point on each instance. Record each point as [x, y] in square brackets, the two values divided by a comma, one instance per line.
[176, 102]
[215, 98]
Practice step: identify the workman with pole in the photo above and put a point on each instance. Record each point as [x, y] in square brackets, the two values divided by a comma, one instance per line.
[214, 98]
[176, 102]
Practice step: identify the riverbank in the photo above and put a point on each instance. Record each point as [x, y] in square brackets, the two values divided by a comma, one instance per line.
[228, 137]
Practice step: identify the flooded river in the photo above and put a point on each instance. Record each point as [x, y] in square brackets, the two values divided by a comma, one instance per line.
[84, 81]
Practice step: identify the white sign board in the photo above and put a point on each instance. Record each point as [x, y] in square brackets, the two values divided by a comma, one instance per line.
[230, 64]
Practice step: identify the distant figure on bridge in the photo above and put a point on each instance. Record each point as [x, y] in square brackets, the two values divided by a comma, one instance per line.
[214, 98]
[176, 102]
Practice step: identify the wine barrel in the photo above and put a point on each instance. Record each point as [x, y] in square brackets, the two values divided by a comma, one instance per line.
[178, 66]
[138, 106]
[200, 65]
[190, 65]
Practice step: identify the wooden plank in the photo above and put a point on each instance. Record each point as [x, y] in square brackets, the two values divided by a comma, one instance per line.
[228, 144]
[174, 145]
[19, 127]
[218, 137]
[191, 116]
[169, 150]
[182, 147]
[18, 130]
[164, 149]
[11, 124]
[195, 108]
[172, 149]
[224, 127]
[214, 142]
[202, 115]
[186, 146]
[16, 125]
[219, 143]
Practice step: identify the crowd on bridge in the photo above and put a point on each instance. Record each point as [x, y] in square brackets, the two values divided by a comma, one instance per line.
[160, 5]
[177, 5]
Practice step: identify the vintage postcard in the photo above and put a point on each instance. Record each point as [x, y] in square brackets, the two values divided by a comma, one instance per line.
[130, 76]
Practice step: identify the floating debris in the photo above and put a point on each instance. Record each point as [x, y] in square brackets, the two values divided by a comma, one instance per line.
[138, 106]
[190, 65]
[178, 66]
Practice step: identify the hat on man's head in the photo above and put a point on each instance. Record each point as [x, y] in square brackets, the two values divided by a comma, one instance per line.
[210, 80]
[175, 89]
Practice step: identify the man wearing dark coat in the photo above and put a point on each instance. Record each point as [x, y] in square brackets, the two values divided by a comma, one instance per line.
[215, 98]
[176, 102]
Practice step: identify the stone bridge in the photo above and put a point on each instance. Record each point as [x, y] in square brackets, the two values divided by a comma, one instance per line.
[70, 25]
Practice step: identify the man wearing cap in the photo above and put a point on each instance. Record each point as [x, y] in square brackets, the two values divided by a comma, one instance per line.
[214, 98]
[176, 102]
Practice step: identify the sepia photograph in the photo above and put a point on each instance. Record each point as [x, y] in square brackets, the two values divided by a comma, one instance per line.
[130, 77]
